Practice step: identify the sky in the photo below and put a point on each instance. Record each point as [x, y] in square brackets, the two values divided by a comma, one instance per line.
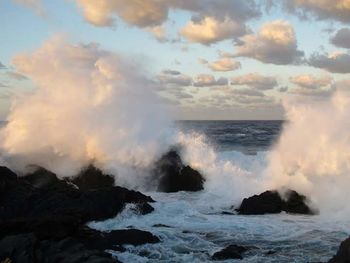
[208, 59]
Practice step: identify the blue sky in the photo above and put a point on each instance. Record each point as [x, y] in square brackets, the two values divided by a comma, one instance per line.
[25, 27]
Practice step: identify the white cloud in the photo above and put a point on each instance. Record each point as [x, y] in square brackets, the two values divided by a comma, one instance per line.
[255, 81]
[225, 64]
[210, 30]
[311, 82]
[274, 43]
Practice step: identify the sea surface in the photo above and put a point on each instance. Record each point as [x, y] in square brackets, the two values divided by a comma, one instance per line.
[192, 226]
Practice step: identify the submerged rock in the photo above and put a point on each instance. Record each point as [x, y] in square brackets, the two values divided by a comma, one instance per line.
[92, 178]
[343, 253]
[270, 202]
[230, 252]
[174, 176]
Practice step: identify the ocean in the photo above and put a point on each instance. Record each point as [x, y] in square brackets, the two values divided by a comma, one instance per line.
[193, 226]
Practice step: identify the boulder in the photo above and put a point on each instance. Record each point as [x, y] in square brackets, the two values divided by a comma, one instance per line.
[174, 176]
[24, 198]
[343, 253]
[92, 178]
[230, 252]
[270, 202]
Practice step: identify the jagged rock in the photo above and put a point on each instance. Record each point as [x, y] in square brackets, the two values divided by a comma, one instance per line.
[343, 253]
[92, 178]
[230, 252]
[174, 176]
[270, 202]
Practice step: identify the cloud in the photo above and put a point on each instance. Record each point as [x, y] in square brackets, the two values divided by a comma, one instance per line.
[210, 30]
[337, 62]
[225, 64]
[255, 81]
[158, 32]
[342, 38]
[207, 80]
[174, 78]
[311, 82]
[202, 61]
[322, 9]
[2, 66]
[35, 5]
[275, 43]
[247, 92]
[312, 92]
[16, 75]
[217, 20]
[283, 89]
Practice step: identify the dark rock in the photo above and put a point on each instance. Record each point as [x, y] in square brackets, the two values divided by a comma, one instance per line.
[162, 225]
[44, 179]
[230, 252]
[270, 202]
[27, 248]
[143, 208]
[20, 199]
[174, 176]
[343, 253]
[92, 178]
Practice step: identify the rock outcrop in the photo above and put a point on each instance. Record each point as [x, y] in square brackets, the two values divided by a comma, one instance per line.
[270, 202]
[173, 175]
[343, 253]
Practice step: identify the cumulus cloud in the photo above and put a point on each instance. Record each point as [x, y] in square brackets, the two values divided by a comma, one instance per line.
[337, 62]
[207, 80]
[224, 64]
[274, 43]
[215, 20]
[255, 81]
[311, 82]
[323, 9]
[158, 32]
[210, 30]
[174, 78]
[283, 89]
[342, 38]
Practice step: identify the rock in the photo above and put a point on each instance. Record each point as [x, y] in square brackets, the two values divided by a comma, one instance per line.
[270, 202]
[343, 253]
[174, 176]
[92, 178]
[26, 248]
[44, 179]
[230, 252]
[20, 199]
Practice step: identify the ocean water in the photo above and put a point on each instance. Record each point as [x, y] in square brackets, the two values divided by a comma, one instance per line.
[192, 226]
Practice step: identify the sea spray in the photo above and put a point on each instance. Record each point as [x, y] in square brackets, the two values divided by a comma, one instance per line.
[89, 105]
[313, 152]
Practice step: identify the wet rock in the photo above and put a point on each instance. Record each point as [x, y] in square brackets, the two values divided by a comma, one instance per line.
[270, 202]
[20, 198]
[343, 253]
[229, 252]
[26, 248]
[174, 176]
[92, 178]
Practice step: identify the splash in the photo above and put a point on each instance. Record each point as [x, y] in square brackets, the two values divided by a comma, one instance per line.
[89, 105]
[313, 152]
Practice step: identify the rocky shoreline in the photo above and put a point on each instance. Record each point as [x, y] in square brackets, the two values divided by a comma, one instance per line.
[43, 218]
